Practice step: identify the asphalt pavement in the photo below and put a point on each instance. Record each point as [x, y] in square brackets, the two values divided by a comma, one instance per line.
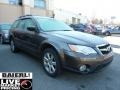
[106, 79]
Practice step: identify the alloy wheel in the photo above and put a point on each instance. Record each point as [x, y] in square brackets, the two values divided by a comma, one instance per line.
[49, 62]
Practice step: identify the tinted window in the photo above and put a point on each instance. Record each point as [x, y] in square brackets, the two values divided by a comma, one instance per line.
[15, 24]
[21, 25]
[47, 24]
[5, 26]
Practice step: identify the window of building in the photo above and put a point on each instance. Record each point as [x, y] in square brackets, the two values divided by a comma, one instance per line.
[15, 2]
[39, 3]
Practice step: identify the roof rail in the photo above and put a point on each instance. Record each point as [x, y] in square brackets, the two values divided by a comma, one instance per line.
[25, 16]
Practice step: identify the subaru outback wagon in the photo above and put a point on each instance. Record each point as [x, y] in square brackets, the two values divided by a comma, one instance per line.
[59, 46]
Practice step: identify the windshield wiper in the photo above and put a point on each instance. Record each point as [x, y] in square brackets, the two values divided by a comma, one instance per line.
[66, 30]
[57, 30]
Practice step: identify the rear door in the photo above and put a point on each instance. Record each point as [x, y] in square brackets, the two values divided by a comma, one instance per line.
[19, 33]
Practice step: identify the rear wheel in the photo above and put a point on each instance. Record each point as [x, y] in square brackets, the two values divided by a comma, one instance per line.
[13, 46]
[51, 62]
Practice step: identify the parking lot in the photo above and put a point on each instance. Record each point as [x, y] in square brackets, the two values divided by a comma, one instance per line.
[107, 79]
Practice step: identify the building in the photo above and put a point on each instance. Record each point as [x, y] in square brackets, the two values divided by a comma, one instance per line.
[12, 9]
[67, 16]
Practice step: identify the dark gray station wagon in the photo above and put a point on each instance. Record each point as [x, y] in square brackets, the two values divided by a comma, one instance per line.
[59, 46]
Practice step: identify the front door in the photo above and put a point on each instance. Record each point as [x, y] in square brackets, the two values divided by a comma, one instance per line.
[31, 37]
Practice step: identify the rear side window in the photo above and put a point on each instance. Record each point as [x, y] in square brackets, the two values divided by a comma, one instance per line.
[23, 24]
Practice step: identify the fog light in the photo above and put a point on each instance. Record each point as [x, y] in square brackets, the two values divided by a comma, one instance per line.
[83, 68]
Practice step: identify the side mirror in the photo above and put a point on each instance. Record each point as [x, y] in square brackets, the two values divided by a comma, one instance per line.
[31, 29]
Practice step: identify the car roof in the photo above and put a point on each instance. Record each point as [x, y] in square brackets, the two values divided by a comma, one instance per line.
[33, 16]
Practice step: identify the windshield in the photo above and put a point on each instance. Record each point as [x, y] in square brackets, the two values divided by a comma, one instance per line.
[49, 24]
[5, 26]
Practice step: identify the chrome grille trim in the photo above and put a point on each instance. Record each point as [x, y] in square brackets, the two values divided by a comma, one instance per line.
[104, 48]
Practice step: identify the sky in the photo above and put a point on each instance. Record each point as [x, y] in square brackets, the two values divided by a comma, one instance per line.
[91, 8]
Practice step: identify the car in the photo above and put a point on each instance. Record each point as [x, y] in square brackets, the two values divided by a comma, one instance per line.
[84, 28]
[99, 29]
[79, 27]
[58, 46]
[4, 33]
[94, 29]
[109, 31]
[90, 29]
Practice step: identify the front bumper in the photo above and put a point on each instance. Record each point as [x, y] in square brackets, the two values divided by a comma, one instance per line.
[73, 61]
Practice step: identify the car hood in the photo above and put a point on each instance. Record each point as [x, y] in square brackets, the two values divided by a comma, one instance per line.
[80, 38]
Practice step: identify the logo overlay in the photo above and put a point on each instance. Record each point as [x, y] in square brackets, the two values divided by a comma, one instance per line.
[16, 81]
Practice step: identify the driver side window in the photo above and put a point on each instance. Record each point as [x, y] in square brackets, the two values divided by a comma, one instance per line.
[29, 23]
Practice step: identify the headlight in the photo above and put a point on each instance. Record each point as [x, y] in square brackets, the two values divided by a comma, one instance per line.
[6, 35]
[82, 49]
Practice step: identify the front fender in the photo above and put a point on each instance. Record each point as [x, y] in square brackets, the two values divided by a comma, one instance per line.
[56, 46]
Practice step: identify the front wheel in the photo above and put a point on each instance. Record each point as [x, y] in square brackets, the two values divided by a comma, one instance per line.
[51, 62]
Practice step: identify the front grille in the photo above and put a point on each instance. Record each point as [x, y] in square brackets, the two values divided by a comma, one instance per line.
[105, 49]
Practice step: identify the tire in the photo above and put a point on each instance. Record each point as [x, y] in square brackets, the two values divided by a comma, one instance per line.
[51, 62]
[108, 34]
[1, 40]
[13, 47]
